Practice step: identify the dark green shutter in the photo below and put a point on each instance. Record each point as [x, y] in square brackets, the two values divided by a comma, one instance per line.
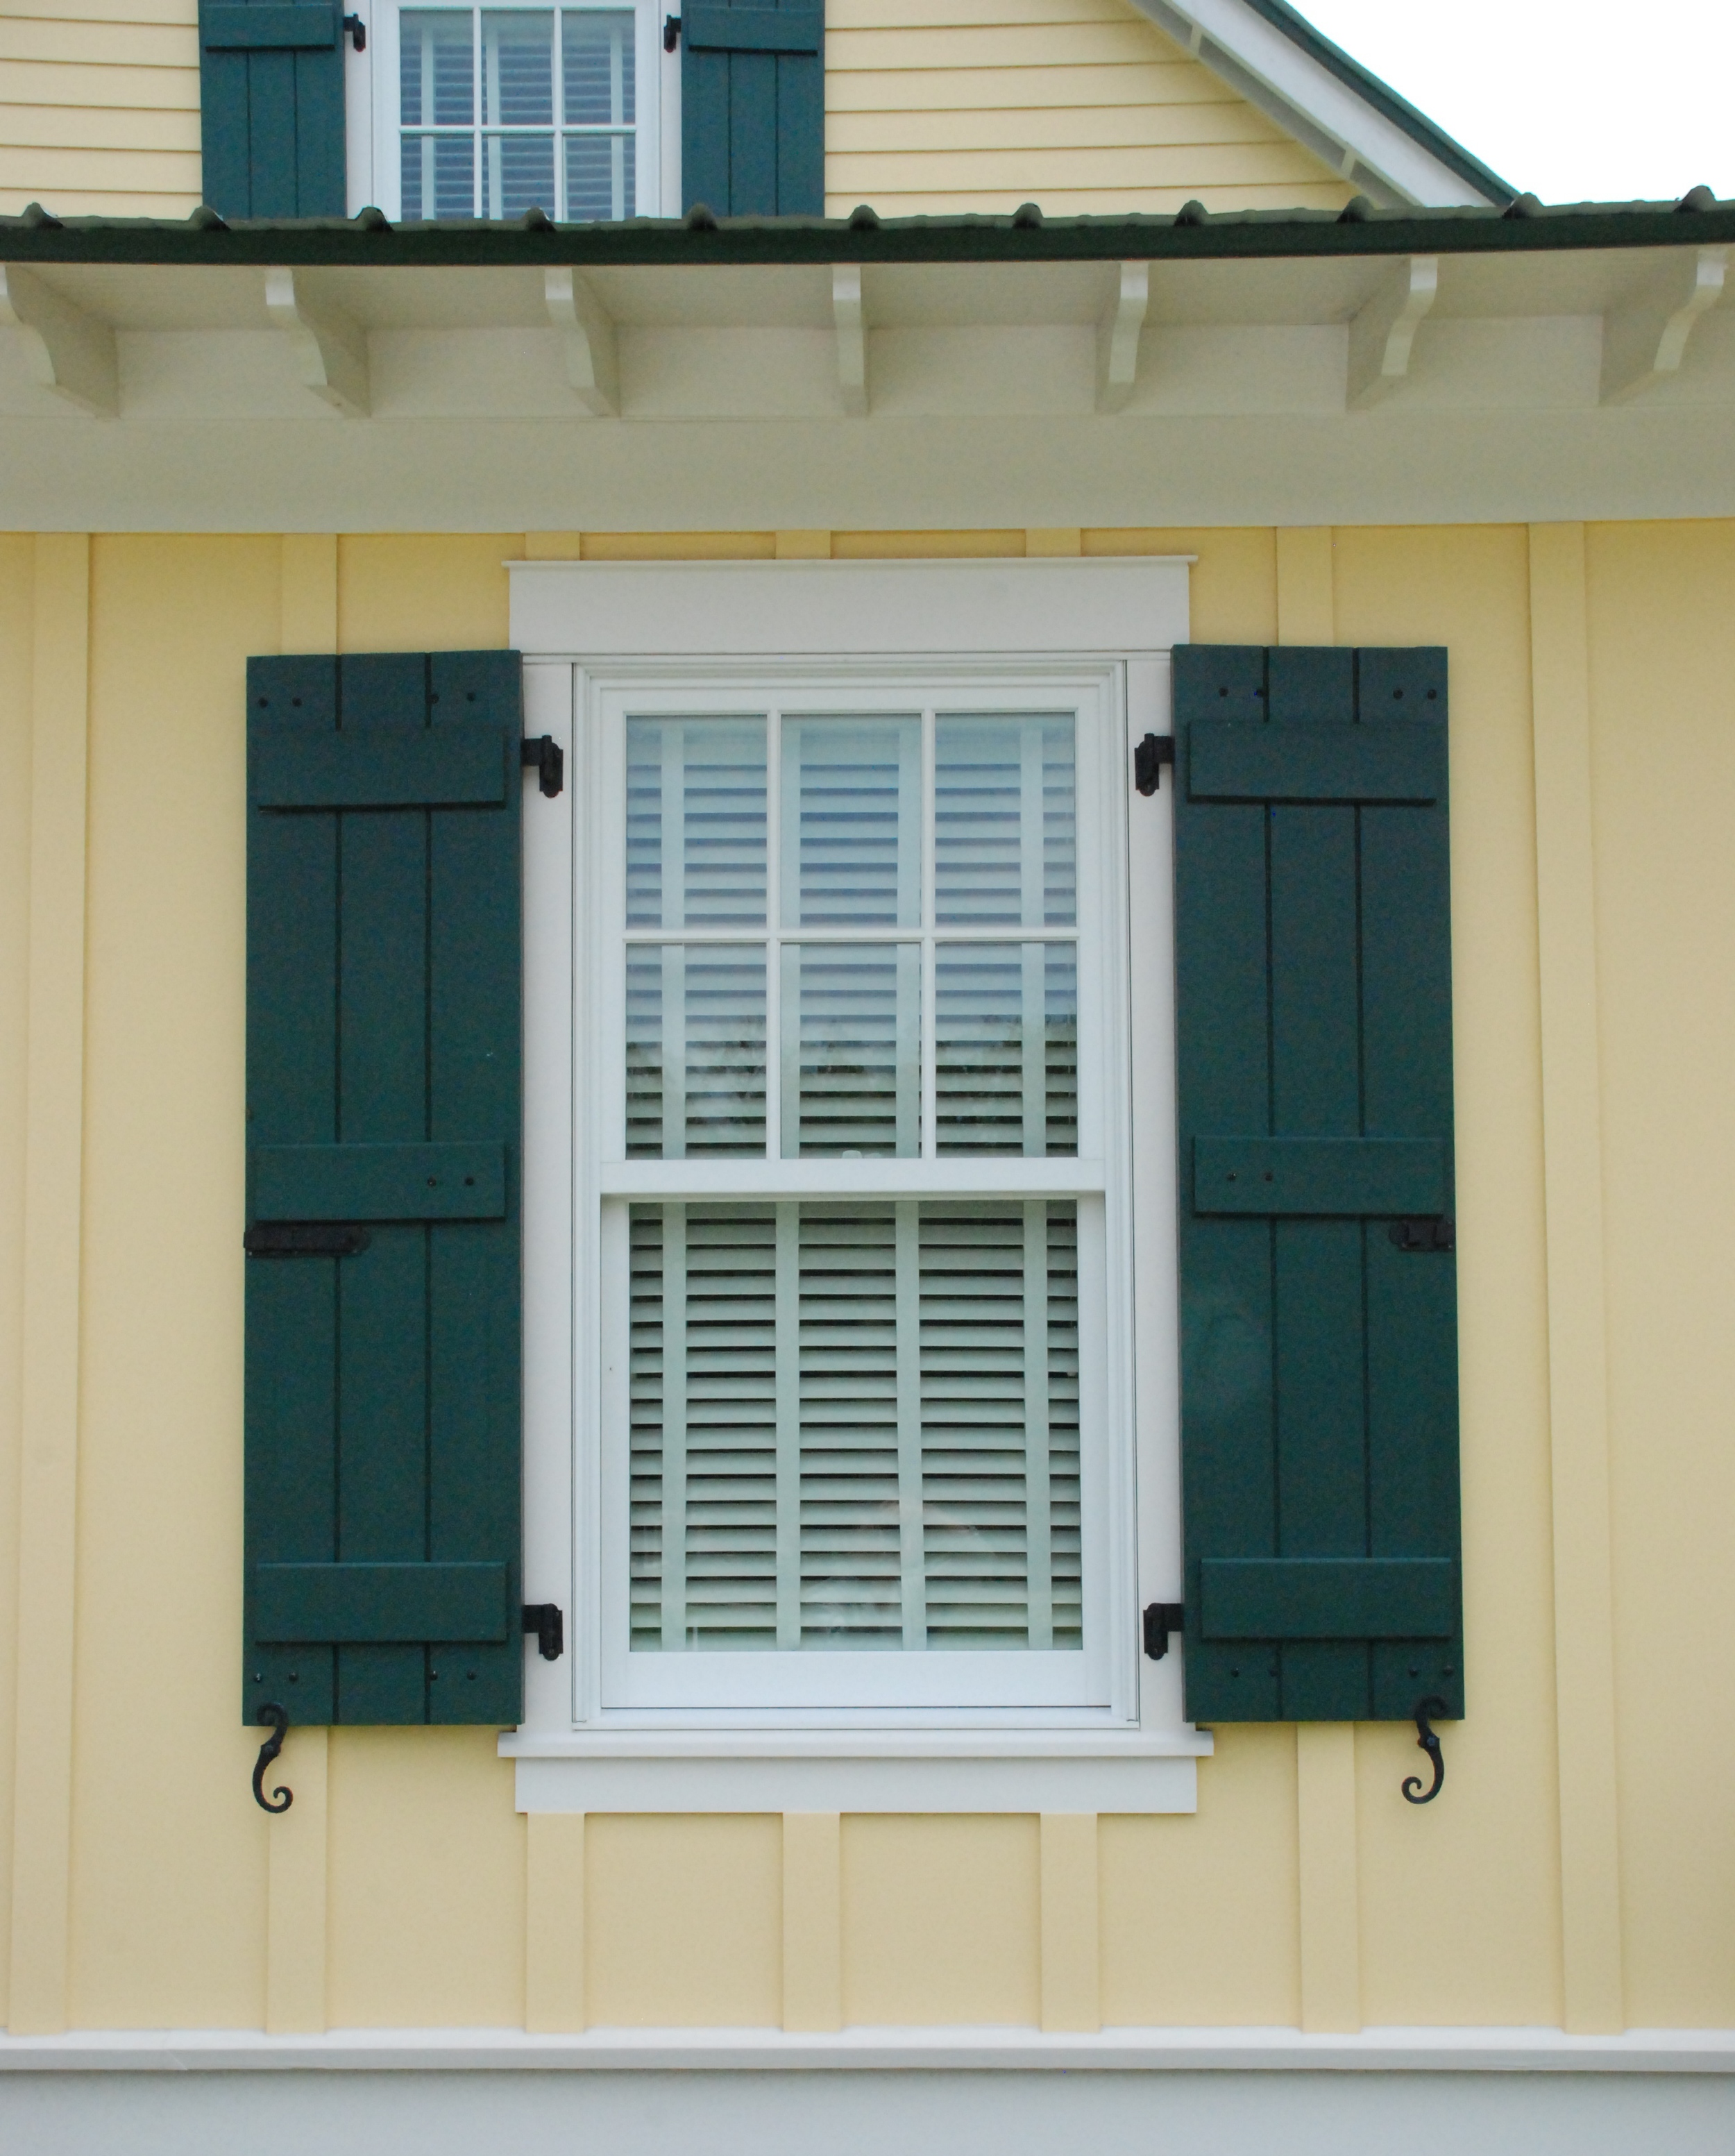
[271, 107]
[753, 107]
[383, 1388]
[1313, 1017]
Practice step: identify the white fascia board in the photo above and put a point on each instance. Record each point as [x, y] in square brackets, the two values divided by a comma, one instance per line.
[1123, 2049]
[1324, 114]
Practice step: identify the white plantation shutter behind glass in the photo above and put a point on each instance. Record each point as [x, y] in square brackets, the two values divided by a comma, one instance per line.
[855, 1426]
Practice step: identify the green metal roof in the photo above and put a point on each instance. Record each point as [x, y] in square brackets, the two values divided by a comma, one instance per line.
[1192, 234]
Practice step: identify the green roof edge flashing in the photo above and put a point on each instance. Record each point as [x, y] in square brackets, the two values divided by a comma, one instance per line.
[1384, 99]
[1192, 234]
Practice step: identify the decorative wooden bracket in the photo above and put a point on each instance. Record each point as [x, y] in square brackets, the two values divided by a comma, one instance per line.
[850, 318]
[1117, 337]
[587, 336]
[1645, 338]
[1383, 335]
[67, 350]
[329, 350]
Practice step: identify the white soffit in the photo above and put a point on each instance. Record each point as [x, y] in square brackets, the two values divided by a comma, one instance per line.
[902, 608]
[1308, 101]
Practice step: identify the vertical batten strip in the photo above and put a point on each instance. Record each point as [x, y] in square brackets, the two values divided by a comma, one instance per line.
[53, 1192]
[1071, 1981]
[554, 1923]
[787, 1356]
[674, 1426]
[296, 1893]
[1331, 1960]
[813, 1921]
[1039, 1516]
[1593, 1987]
[912, 1551]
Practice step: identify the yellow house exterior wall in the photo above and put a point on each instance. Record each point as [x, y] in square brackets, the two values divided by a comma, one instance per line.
[973, 105]
[403, 1890]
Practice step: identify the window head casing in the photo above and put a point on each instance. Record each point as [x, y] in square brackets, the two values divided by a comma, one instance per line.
[850, 1309]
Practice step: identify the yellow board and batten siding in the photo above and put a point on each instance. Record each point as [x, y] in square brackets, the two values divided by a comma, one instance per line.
[1593, 764]
[966, 106]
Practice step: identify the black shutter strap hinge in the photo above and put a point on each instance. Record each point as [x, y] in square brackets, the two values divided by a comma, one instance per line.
[542, 754]
[545, 1620]
[305, 1238]
[1436, 1233]
[671, 32]
[1148, 758]
[358, 32]
[1161, 1620]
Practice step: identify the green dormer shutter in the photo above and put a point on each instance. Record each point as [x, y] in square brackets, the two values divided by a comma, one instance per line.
[1319, 1292]
[382, 1382]
[752, 105]
[271, 107]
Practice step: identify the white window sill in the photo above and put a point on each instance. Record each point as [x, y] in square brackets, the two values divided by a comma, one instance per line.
[860, 1770]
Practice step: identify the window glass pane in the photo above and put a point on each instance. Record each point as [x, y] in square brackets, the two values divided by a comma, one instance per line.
[440, 176]
[597, 48]
[696, 823]
[517, 68]
[855, 1426]
[520, 173]
[436, 68]
[851, 818]
[851, 1078]
[599, 177]
[695, 1050]
[1004, 809]
[1006, 1048]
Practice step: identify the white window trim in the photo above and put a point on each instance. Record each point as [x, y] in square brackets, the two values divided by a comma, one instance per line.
[1080, 616]
[370, 124]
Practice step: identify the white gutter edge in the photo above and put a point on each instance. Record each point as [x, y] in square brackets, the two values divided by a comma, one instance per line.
[1306, 100]
[1375, 2050]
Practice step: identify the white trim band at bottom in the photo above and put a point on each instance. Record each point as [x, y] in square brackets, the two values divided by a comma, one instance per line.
[667, 2050]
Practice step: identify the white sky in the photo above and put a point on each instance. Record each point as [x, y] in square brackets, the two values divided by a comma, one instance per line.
[1578, 101]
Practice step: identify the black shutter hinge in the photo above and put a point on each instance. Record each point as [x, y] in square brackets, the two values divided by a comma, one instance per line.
[1148, 758]
[305, 1238]
[1435, 1234]
[358, 32]
[545, 1620]
[544, 755]
[671, 32]
[1161, 1620]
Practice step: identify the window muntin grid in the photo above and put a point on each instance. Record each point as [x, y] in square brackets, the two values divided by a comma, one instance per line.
[506, 109]
[912, 879]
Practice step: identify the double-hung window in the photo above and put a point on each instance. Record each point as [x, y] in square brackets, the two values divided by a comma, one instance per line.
[847, 1368]
[490, 111]
[835, 1419]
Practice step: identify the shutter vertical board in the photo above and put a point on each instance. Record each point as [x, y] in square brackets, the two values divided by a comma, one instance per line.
[272, 116]
[1313, 1000]
[753, 113]
[474, 1084]
[384, 1387]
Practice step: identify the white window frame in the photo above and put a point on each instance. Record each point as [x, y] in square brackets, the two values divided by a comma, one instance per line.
[585, 630]
[375, 173]
[951, 1685]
